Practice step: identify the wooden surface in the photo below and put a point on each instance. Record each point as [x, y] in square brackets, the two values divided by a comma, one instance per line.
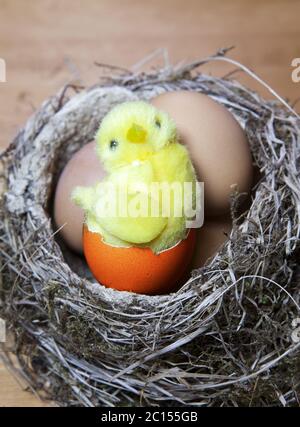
[13, 392]
[48, 43]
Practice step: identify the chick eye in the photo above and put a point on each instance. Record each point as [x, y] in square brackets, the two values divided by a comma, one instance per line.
[113, 144]
[158, 123]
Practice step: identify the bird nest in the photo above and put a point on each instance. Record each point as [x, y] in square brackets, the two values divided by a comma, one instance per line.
[227, 337]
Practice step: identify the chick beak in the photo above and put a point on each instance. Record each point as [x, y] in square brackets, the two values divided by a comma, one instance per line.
[136, 134]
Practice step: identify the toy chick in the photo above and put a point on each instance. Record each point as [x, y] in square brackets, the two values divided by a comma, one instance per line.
[138, 146]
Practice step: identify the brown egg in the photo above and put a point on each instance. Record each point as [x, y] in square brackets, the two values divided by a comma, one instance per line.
[218, 146]
[84, 168]
[209, 239]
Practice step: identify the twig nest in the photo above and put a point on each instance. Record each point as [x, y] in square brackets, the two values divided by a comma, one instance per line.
[208, 343]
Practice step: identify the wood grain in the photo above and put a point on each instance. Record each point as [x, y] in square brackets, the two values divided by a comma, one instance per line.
[48, 43]
[14, 393]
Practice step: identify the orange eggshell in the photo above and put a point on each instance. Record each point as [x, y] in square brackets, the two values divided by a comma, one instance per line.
[137, 269]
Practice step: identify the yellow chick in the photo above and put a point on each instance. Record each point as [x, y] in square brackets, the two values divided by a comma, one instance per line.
[138, 146]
